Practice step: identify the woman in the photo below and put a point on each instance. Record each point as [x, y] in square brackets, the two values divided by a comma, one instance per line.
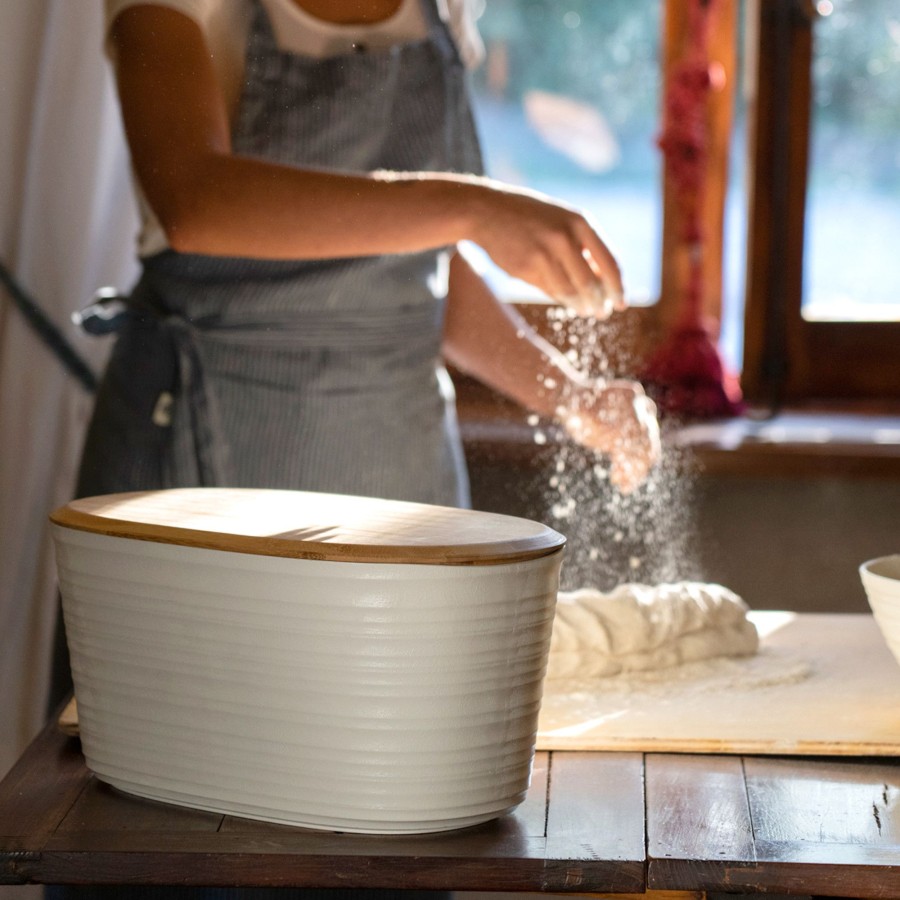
[306, 169]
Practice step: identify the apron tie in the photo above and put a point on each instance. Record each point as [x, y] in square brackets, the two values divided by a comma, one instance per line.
[201, 446]
[199, 449]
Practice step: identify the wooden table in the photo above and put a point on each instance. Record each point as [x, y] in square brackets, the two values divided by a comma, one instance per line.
[621, 823]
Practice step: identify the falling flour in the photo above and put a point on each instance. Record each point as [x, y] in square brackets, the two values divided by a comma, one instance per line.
[644, 628]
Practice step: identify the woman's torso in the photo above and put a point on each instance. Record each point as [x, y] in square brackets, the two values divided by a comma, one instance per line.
[304, 374]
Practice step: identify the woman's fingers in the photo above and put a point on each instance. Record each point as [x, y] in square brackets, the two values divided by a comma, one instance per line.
[620, 421]
[602, 263]
[552, 247]
[596, 287]
[637, 448]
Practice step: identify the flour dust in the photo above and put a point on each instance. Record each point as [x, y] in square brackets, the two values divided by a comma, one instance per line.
[647, 536]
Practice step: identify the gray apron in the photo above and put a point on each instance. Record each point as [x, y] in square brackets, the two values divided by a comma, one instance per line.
[310, 375]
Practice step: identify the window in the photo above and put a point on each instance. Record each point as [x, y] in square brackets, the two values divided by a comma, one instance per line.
[853, 199]
[804, 213]
[823, 299]
[567, 102]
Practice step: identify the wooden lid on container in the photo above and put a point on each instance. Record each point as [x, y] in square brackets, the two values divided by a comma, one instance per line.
[304, 525]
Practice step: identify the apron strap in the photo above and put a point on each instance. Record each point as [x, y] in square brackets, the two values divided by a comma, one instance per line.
[439, 31]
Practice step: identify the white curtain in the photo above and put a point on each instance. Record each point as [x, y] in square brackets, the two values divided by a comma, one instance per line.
[67, 227]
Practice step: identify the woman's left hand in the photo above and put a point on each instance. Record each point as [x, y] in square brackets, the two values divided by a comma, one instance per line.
[618, 419]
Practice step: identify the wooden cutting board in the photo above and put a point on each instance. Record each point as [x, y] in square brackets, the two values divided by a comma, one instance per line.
[820, 685]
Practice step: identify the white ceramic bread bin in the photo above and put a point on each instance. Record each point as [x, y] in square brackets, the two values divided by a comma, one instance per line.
[341, 663]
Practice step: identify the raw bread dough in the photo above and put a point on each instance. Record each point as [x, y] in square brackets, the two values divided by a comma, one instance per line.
[637, 627]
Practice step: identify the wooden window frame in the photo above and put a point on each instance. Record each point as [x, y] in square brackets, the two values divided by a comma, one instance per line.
[788, 359]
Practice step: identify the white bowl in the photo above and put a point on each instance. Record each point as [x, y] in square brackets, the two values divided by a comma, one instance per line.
[375, 697]
[881, 580]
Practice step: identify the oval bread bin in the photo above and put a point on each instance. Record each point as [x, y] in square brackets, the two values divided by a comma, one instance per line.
[334, 662]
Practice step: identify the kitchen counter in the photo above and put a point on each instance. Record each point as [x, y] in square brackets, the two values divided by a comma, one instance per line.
[599, 822]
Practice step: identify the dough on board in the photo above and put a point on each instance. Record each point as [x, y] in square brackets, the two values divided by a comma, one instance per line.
[637, 627]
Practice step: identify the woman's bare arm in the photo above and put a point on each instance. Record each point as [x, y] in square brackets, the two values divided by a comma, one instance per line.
[490, 341]
[210, 200]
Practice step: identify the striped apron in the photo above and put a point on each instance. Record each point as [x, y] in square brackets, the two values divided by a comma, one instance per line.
[309, 375]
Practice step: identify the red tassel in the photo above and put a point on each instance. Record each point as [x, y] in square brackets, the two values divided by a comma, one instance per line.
[686, 375]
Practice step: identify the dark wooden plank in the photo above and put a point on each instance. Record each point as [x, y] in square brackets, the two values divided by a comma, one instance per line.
[824, 801]
[821, 827]
[242, 869]
[492, 841]
[832, 826]
[595, 821]
[849, 856]
[36, 793]
[697, 808]
[879, 879]
[828, 868]
[102, 823]
[105, 809]
[822, 878]
[698, 819]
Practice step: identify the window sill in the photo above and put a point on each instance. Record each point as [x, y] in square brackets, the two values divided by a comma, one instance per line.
[797, 442]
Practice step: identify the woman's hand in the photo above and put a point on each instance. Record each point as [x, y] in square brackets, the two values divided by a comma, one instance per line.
[491, 341]
[618, 419]
[549, 245]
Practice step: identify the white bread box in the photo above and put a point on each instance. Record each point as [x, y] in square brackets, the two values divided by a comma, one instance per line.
[335, 662]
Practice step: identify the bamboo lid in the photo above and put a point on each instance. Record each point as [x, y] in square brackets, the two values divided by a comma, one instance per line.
[305, 525]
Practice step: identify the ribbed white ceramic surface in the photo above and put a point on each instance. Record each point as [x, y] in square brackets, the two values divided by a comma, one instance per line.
[380, 698]
[881, 580]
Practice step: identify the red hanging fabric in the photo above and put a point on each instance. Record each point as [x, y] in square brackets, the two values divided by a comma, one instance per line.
[686, 375]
